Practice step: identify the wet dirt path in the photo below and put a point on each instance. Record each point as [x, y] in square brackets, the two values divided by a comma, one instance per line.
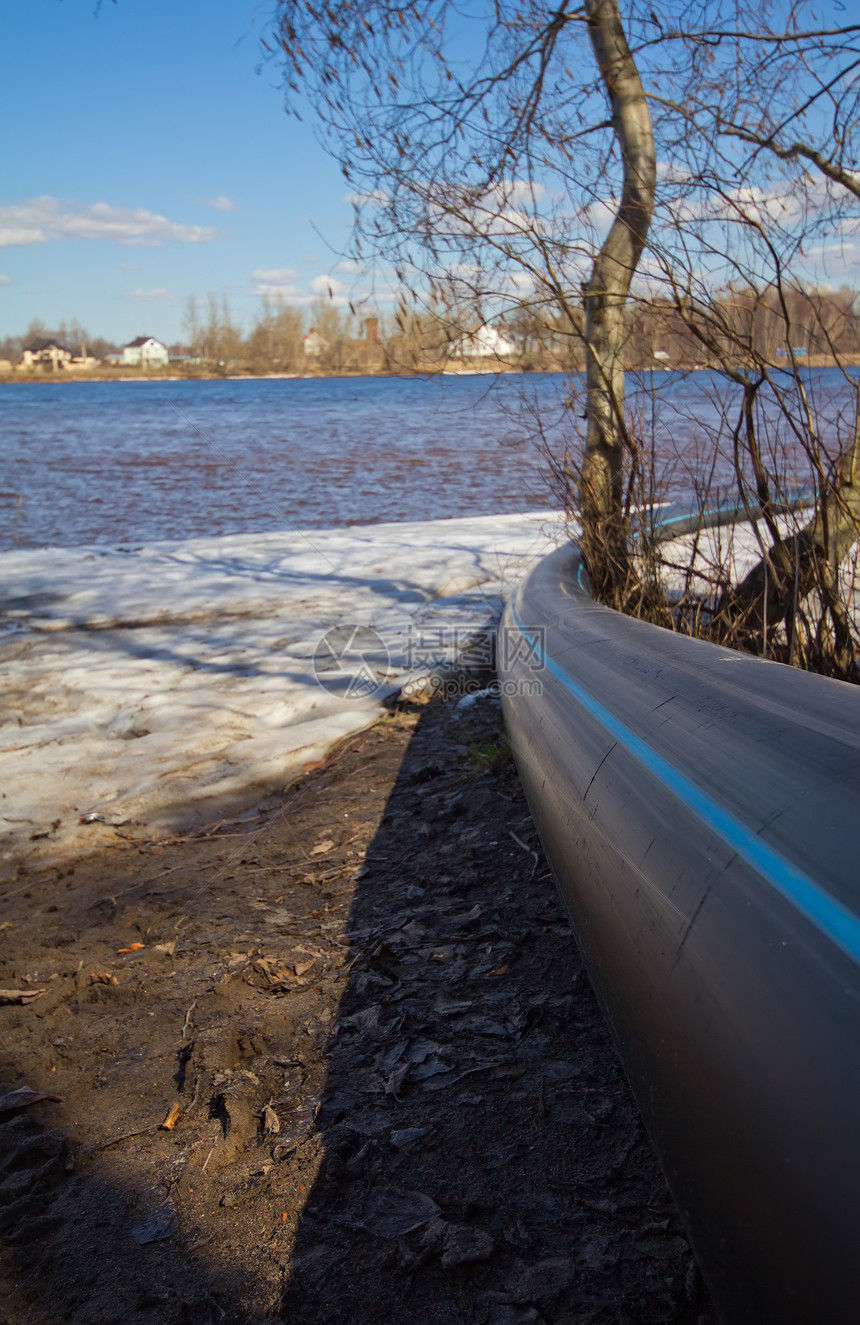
[335, 1061]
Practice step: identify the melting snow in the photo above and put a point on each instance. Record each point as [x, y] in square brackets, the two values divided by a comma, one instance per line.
[167, 682]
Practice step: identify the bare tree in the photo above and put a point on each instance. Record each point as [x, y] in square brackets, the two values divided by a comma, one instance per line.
[605, 542]
[191, 327]
[275, 341]
[602, 158]
[328, 324]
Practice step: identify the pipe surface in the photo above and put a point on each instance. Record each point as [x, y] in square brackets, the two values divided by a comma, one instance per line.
[700, 810]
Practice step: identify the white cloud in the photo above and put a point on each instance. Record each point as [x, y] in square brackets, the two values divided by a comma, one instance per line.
[327, 285]
[157, 296]
[275, 282]
[46, 220]
[375, 198]
[337, 301]
[276, 274]
[468, 279]
[835, 262]
[845, 249]
[284, 283]
[348, 267]
[674, 174]
[517, 193]
[510, 207]
[601, 213]
[311, 260]
[221, 203]
[5, 280]
[785, 203]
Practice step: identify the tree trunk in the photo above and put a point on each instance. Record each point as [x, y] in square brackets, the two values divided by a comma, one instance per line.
[796, 566]
[601, 495]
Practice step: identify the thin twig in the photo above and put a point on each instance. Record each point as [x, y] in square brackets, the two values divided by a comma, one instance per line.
[188, 1019]
[525, 846]
[129, 1136]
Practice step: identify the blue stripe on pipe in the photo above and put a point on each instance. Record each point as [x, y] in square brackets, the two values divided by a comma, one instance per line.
[835, 921]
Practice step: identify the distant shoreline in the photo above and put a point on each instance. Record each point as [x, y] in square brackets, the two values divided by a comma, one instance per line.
[113, 376]
[465, 370]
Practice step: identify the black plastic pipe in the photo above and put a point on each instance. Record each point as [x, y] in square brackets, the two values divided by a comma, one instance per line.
[700, 809]
[676, 518]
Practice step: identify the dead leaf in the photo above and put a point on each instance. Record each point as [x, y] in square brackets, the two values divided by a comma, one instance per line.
[468, 917]
[395, 1079]
[22, 1098]
[404, 1136]
[19, 995]
[544, 1280]
[433, 1066]
[420, 1050]
[391, 1212]
[160, 1225]
[462, 1245]
[481, 1026]
[497, 1159]
[271, 1121]
[322, 848]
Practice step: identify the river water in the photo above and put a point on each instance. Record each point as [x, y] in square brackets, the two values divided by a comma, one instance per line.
[118, 463]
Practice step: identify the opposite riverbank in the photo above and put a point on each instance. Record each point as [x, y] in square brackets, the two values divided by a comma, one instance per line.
[448, 369]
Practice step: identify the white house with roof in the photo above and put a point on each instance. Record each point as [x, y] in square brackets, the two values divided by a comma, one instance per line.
[314, 344]
[145, 352]
[46, 353]
[484, 343]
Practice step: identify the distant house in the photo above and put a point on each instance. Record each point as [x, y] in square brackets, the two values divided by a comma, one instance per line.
[145, 352]
[485, 343]
[48, 354]
[314, 344]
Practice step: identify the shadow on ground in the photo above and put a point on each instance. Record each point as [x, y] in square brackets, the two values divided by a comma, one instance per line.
[395, 1097]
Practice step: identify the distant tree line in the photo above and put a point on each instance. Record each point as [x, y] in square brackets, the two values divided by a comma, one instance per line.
[815, 323]
[71, 334]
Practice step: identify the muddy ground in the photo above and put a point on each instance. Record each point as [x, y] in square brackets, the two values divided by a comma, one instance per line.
[333, 1060]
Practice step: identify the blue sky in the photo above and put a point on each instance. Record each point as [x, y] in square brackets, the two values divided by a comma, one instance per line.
[147, 158]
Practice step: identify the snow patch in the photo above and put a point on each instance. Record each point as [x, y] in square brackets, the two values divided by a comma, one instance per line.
[167, 682]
